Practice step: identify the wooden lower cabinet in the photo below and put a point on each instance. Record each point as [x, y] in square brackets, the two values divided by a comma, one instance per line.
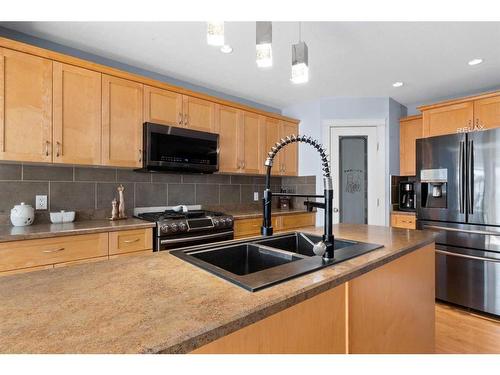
[44, 253]
[387, 310]
[315, 326]
[251, 227]
[405, 221]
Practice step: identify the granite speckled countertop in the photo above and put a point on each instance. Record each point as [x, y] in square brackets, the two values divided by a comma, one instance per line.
[157, 303]
[409, 213]
[10, 233]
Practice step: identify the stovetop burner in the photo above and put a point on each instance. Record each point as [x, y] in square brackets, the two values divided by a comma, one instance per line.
[174, 215]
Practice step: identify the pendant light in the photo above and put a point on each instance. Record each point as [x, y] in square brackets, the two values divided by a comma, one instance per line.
[263, 40]
[300, 61]
[215, 33]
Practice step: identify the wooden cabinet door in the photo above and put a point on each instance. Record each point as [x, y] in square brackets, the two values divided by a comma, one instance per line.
[251, 145]
[289, 159]
[25, 107]
[272, 127]
[162, 106]
[448, 119]
[487, 113]
[121, 122]
[228, 120]
[409, 131]
[199, 114]
[77, 115]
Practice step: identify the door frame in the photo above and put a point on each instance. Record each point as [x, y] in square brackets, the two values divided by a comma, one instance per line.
[377, 182]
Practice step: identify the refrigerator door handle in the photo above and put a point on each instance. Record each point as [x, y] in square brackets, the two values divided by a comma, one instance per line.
[461, 179]
[470, 177]
[467, 256]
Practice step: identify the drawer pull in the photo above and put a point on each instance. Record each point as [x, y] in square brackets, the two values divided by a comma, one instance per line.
[54, 250]
[131, 241]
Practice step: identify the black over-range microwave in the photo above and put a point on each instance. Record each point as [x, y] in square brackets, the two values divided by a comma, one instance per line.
[170, 148]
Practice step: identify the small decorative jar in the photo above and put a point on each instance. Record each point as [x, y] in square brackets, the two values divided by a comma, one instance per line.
[22, 215]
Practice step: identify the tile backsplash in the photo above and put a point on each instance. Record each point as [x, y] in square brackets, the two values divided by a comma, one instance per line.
[89, 191]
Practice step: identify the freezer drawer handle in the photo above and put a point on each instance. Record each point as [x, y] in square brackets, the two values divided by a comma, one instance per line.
[463, 230]
[467, 256]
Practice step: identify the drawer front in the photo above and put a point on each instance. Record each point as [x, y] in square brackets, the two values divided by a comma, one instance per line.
[130, 240]
[40, 252]
[298, 220]
[403, 221]
[251, 227]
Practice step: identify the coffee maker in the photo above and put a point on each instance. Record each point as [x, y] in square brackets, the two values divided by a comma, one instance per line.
[406, 196]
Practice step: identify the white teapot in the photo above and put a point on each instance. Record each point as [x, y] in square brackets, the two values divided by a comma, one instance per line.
[22, 215]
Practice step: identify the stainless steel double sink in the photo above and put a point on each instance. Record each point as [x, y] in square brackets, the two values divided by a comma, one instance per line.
[259, 263]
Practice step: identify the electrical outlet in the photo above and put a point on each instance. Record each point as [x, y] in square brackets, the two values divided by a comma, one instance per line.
[41, 202]
[256, 196]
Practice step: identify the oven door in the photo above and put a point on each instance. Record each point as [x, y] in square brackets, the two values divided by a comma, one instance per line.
[187, 239]
[469, 278]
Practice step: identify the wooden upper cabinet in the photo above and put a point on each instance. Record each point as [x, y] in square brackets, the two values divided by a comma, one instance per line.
[77, 115]
[487, 113]
[272, 137]
[409, 131]
[251, 143]
[289, 159]
[199, 114]
[122, 111]
[25, 107]
[448, 119]
[228, 120]
[163, 106]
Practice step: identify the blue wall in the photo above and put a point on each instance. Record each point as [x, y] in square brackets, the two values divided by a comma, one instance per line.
[42, 43]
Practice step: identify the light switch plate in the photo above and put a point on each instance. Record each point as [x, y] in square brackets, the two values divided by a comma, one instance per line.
[256, 196]
[41, 202]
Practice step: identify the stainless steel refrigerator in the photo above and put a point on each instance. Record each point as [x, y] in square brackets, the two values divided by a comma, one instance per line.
[458, 196]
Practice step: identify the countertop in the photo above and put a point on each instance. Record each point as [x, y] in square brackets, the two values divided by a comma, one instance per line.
[409, 213]
[250, 213]
[157, 303]
[10, 233]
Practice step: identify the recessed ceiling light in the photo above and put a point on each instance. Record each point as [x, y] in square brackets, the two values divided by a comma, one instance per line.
[397, 84]
[226, 48]
[475, 62]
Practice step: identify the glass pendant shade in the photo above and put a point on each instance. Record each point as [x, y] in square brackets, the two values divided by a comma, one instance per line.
[300, 60]
[215, 33]
[263, 42]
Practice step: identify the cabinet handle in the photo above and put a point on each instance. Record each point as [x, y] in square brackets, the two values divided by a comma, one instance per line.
[140, 156]
[47, 144]
[131, 241]
[180, 119]
[58, 149]
[54, 250]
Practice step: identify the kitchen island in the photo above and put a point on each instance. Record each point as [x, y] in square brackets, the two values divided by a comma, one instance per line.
[380, 302]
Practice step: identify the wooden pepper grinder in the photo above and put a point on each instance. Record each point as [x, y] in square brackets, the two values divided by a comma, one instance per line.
[114, 210]
[121, 205]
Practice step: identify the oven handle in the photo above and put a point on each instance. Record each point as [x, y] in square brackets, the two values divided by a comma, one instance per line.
[185, 239]
[484, 232]
[468, 256]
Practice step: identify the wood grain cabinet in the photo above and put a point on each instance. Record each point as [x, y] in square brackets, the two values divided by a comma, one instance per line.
[122, 112]
[251, 227]
[174, 109]
[77, 115]
[129, 241]
[409, 131]
[273, 135]
[487, 112]
[289, 159]
[403, 220]
[241, 141]
[25, 107]
[448, 119]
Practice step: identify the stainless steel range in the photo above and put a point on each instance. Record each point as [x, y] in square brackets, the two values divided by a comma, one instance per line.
[182, 226]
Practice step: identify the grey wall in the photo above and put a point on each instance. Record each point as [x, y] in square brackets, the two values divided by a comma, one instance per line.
[42, 43]
[90, 191]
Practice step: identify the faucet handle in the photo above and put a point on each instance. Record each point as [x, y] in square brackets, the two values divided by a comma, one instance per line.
[319, 248]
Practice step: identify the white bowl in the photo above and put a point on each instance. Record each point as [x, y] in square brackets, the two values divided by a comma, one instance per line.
[62, 217]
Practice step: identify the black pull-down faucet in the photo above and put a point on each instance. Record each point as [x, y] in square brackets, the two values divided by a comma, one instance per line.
[324, 247]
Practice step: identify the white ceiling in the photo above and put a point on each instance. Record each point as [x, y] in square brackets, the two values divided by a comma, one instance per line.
[345, 58]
